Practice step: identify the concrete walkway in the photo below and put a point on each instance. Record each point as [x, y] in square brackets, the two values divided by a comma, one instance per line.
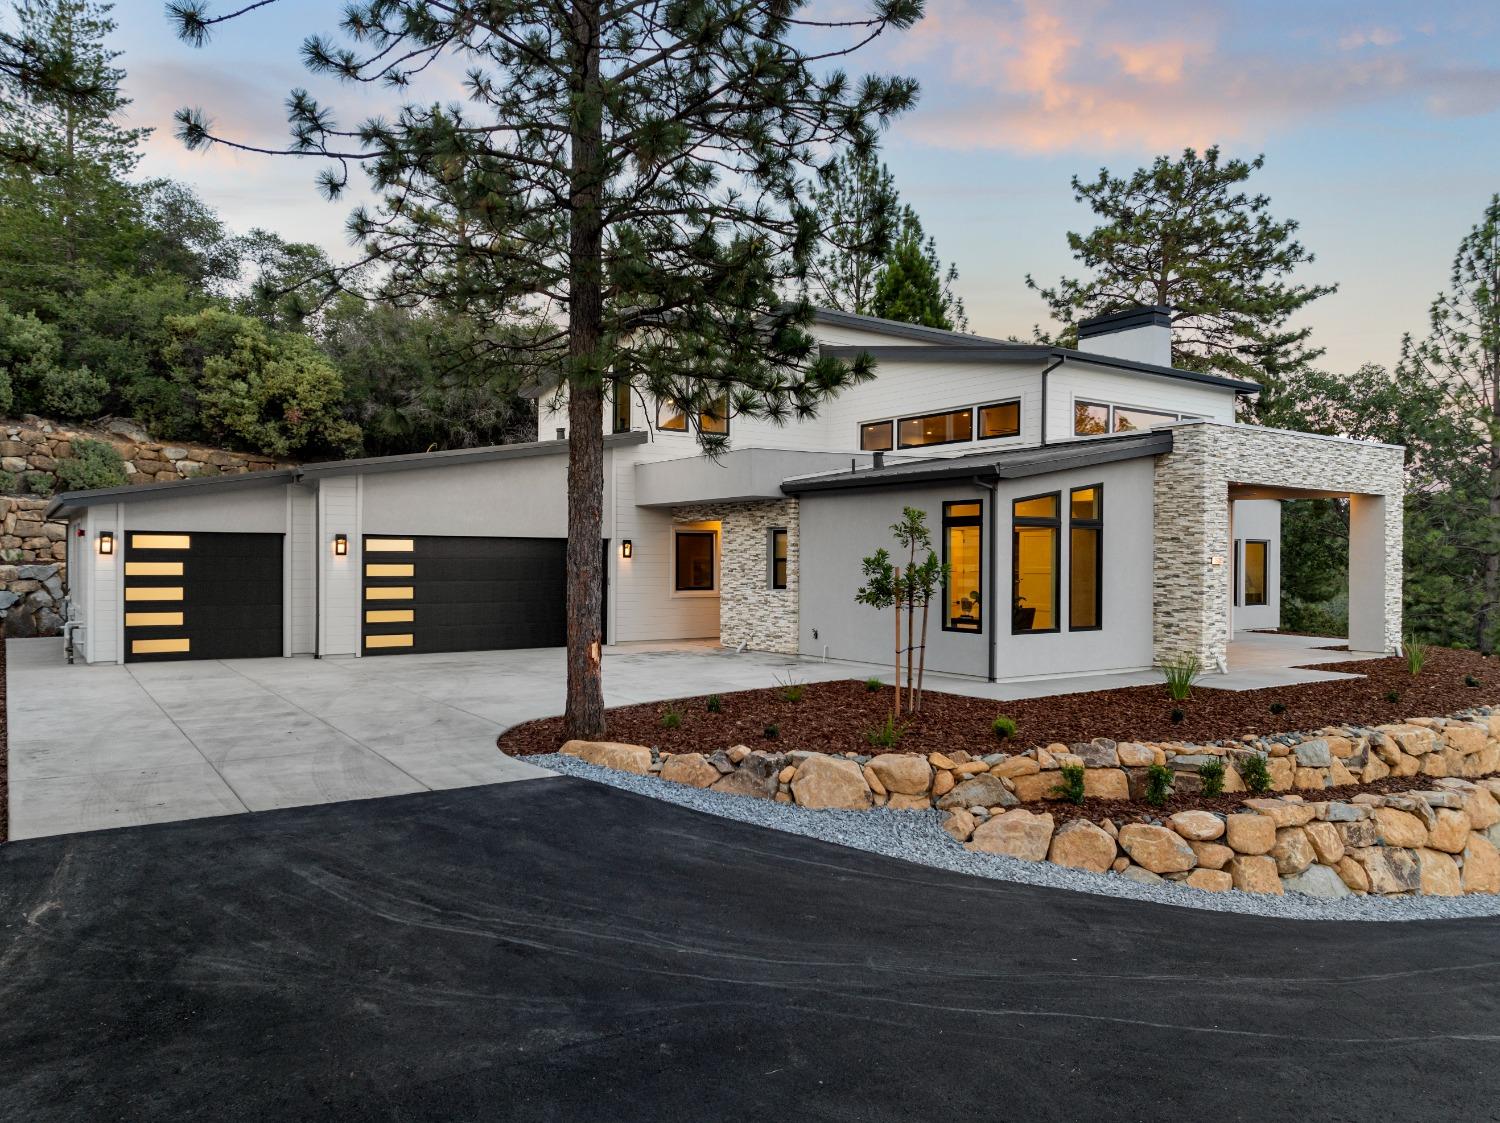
[108, 746]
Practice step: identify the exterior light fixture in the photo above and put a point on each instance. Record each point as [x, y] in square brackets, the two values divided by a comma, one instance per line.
[106, 542]
[627, 549]
[340, 545]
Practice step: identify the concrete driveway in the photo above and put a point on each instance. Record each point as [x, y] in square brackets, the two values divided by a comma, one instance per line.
[110, 746]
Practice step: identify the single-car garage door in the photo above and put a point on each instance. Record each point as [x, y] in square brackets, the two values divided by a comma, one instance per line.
[463, 594]
[202, 596]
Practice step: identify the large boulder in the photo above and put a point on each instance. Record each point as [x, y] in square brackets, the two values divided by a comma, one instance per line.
[1438, 874]
[756, 777]
[983, 790]
[1106, 783]
[1389, 869]
[1017, 833]
[1099, 753]
[1255, 873]
[959, 824]
[1481, 807]
[1197, 826]
[1326, 842]
[1293, 852]
[692, 769]
[1313, 754]
[902, 773]
[1080, 845]
[1284, 812]
[1156, 848]
[1016, 766]
[1352, 874]
[1248, 833]
[611, 754]
[1316, 881]
[1450, 833]
[1214, 881]
[1211, 855]
[1399, 828]
[825, 781]
[1481, 872]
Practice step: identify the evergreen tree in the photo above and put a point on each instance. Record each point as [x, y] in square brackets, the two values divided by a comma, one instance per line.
[624, 192]
[857, 210]
[912, 286]
[1182, 233]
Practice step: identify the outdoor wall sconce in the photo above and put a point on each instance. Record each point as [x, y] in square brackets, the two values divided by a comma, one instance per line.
[627, 549]
[106, 542]
[340, 545]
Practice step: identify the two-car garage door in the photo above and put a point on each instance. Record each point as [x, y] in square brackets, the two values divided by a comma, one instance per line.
[428, 593]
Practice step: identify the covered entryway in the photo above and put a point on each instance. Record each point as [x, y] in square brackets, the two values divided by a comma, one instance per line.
[432, 593]
[202, 595]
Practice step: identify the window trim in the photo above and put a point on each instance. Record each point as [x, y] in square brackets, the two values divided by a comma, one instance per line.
[1055, 523]
[713, 545]
[950, 521]
[620, 393]
[937, 413]
[1265, 557]
[1234, 577]
[786, 562]
[979, 413]
[1087, 524]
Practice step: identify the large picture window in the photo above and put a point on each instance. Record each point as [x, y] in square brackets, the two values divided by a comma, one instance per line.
[1034, 563]
[694, 561]
[935, 429]
[1255, 571]
[1085, 557]
[963, 552]
[1003, 419]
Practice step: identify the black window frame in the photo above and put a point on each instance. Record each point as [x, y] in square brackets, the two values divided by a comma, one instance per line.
[950, 521]
[1109, 416]
[1265, 577]
[937, 413]
[1095, 524]
[1055, 524]
[779, 532]
[978, 424]
[890, 429]
[713, 561]
[619, 395]
[1168, 417]
[663, 404]
[1234, 576]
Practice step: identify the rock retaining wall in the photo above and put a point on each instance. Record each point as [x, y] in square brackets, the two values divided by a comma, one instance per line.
[1439, 840]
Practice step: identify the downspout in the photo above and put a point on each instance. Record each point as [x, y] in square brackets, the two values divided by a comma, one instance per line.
[992, 486]
[1046, 370]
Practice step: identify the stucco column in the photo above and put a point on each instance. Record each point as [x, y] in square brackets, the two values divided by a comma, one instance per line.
[1375, 538]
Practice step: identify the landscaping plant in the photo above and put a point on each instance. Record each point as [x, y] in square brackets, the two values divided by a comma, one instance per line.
[887, 734]
[792, 690]
[1177, 715]
[1256, 775]
[1158, 784]
[715, 704]
[1470, 680]
[873, 685]
[1071, 789]
[1392, 696]
[1416, 655]
[1278, 708]
[671, 717]
[887, 586]
[1003, 727]
[771, 732]
[1180, 674]
[1211, 773]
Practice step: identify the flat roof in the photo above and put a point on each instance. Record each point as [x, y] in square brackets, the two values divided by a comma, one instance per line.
[999, 465]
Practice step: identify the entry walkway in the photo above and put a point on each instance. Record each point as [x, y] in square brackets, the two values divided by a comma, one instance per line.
[108, 746]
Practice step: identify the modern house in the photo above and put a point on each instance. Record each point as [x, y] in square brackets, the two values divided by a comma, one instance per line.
[1100, 510]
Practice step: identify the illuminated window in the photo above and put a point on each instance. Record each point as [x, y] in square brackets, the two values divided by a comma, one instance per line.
[1090, 419]
[158, 646]
[935, 429]
[153, 619]
[1255, 571]
[388, 545]
[389, 569]
[388, 592]
[877, 436]
[1085, 557]
[388, 641]
[695, 561]
[778, 557]
[160, 541]
[620, 401]
[1003, 419]
[1034, 564]
[963, 552]
[714, 419]
[389, 615]
[148, 592]
[153, 569]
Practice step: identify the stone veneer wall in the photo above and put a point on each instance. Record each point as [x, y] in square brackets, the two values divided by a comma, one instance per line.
[750, 611]
[1192, 521]
[33, 550]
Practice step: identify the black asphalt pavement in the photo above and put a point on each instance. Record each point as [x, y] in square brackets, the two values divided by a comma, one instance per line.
[552, 949]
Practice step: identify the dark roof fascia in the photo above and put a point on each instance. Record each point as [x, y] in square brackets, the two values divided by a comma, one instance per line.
[900, 330]
[76, 500]
[1155, 315]
[374, 465]
[1012, 465]
[1029, 353]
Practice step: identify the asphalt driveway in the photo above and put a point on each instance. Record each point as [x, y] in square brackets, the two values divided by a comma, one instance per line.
[558, 950]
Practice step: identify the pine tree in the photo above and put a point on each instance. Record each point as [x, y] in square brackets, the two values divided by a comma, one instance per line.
[624, 193]
[912, 286]
[1182, 233]
[857, 209]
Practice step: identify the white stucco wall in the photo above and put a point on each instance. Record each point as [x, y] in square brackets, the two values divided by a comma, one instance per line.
[1257, 520]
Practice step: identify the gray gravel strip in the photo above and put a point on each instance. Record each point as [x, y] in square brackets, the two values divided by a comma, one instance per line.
[918, 836]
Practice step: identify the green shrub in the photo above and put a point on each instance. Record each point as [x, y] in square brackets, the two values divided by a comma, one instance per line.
[1180, 674]
[887, 734]
[1003, 727]
[1256, 775]
[8, 482]
[1470, 680]
[1392, 696]
[1278, 708]
[771, 732]
[73, 394]
[1071, 789]
[1158, 784]
[792, 690]
[873, 685]
[1211, 773]
[671, 717]
[93, 464]
[1416, 655]
[715, 704]
[40, 483]
[1177, 715]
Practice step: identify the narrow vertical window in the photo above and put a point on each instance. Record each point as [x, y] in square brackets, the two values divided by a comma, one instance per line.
[778, 557]
[1085, 558]
[621, 404]
[1255, 571]
[1034, 568]
[963, 552]
[1234, 579]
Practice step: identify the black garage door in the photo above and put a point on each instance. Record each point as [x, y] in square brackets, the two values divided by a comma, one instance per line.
[201, 596]
[463, 594]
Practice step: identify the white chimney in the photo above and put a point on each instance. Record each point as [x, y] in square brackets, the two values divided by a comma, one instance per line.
[1143, 335]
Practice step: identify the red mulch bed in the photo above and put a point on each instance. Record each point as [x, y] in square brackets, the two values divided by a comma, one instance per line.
[835, 717]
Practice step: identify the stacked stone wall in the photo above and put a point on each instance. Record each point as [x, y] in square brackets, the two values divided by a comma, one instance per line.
[750, 611]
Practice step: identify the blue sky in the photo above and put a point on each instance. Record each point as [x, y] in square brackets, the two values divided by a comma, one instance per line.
[1380, 123]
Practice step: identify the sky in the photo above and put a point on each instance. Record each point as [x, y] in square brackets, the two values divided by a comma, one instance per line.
[1379, 122]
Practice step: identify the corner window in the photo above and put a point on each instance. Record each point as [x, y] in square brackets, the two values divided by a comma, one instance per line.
[1003, 419]
[1085, 558]
[1090, 419]
[877, 436]
[714, 419]
[778, 557]
[963, 553]
[1034, 563]
[694, 561]
[620, 406]
[1255, 571]
[935, 429]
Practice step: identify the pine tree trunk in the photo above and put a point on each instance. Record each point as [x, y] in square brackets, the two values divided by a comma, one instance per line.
[584, 717]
